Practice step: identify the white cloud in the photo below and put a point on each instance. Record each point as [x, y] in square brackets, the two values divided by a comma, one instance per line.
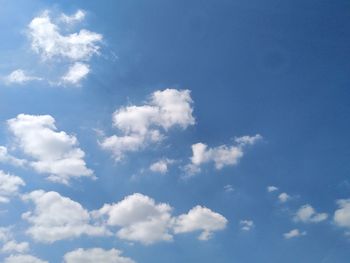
[5, 234]
[19, 76]
[283, 197]
[142, 125]
[5, 157]
[49, 42]
[23, 259]
[294, 233]
[140, 219]
[96, 255]
[13, 246]
[307, 214]
[76, 73]
[77, 17]
[54, 152]
[9, 186]
[228, 188]
[246, 225]
[221, 156]
[161, 166]
[342, 214]
[272, 188]
[56, 217]
[200, 219]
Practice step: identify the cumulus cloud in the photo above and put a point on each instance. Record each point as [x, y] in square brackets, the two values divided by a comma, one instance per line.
[293, 233]
[284, 197]
[94, 255]
[5, 157]
[77, 17]
[221, 156]
[14, 246]
[307, 214]
[23, 259]
[272, 188]
[19, 76]
[140, 219]
[48, 41]
[56, 217]
[9, 186]
[161, 166]
[141, 126]
[342, 214]
[200, 219]
[246, 225]
[53, 152]
[76, 73]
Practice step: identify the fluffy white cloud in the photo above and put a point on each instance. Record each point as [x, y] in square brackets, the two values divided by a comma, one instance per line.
[139, 218]
[94, 255]
[272, 188]
[342, 214]
[307, 214]
[77, 17]
[56, 217]
[76, 73]
[142, 125]
[9, 186]
[19, 76]
[54, 152]
[200, 219]
[5, 157]
[221, 156]
[246, 225]
[48, 41]
[161, 166]
[13, 246]
[294, 233]
[283, 197]
[23, 259]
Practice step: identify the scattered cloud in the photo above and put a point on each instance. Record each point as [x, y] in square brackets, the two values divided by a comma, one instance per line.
[284, 197]
[228, 188]
[307, 214]
[200, 219]
[9, 186]
[221, 156]
[342, 214]
[19, 76]
[272, 188]
[56, 217]
[77, 17]
[94, 255]
[5, 157]
[23, 259]
[143, 125]
[53, 152]
[293, 234]
[13, 246]
[76, 73]
[246, 225]
[161, 166]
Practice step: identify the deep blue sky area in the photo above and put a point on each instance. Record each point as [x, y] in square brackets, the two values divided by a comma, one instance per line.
[280, 69]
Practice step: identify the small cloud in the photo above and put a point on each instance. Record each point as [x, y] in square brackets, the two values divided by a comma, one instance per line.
[77, 17]
[228, 188]
[161, 166]
[19, 76]
[272, 188]
[307, 214]
[77, 72]
[246, 225]
[283, 197]
[293, 234]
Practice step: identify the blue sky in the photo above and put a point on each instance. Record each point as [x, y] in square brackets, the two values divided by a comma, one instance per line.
[174, 131]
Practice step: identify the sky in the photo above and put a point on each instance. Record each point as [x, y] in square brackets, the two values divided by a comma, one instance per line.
[174, 131]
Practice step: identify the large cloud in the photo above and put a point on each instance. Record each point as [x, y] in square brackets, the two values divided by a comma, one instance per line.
[221, 156]
[96, 255]
[200, 219]
[142, 125]
[53, 152]
[9, 186]
[56, 217]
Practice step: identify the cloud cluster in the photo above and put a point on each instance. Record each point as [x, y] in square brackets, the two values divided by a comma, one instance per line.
[143, 125]
[221, 156]
[52, 152]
